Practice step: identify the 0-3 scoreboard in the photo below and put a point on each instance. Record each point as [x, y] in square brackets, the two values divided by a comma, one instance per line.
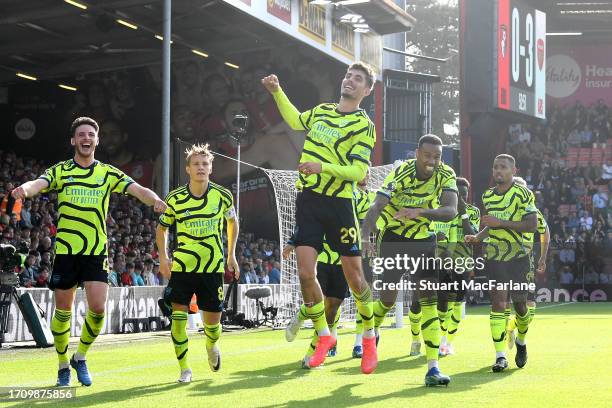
[521, 58]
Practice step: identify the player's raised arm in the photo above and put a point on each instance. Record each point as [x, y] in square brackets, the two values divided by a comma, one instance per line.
[30, 189]
[288, 111]
[355, 171]
[147, 197]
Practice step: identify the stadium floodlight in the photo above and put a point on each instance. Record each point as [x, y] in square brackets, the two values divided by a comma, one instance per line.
[26, 76]
[67, 87]
[229, 64]
[561, 33]
[200, 53]
[350, 17]
[349, 2]
[320, 2]
[361, 25]
[362, 30]
[76, 4]
[161, 38]
[128, 25]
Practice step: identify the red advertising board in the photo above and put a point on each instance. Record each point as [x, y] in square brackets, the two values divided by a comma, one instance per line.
[280, 9]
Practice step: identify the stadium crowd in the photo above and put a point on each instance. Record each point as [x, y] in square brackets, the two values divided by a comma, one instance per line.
[568, 165]
[30, 226]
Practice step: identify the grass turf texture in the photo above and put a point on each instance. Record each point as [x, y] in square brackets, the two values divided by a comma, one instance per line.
[570, 354]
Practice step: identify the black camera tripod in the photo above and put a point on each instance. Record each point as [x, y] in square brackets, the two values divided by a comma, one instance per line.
[7, 294]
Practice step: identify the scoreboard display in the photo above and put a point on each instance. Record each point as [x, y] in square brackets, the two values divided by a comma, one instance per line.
[520, 58]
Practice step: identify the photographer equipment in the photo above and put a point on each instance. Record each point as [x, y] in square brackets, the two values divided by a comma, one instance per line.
[34, 316]
[269, 313]
[231, 319]
[229, 315]
[165, 305]
[36, 320]
[9, 258]
[241, 121]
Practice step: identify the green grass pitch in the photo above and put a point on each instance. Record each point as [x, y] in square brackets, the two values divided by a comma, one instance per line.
[570, 364]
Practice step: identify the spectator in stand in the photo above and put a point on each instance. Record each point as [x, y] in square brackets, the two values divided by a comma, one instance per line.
[135, 272]
[162, 281]
[274, 274]
[126, 276]
[259, 267]
[114, 278]
[607, 170]
[46, 257]
[600, 202]
[42, 280]
[573, 138]
[9, 205]
[147, 274]
[26, 216]
[248, 275]
[586, 221]
[45, 244]
[262, 277]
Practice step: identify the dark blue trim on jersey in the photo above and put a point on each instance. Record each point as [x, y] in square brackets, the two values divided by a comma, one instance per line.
[126, 187]
[47, 180]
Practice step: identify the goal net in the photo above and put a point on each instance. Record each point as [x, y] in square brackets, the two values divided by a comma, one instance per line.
[283, 182]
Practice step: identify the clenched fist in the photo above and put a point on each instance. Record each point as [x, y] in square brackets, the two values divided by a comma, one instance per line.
[271, 83]
[19, 193]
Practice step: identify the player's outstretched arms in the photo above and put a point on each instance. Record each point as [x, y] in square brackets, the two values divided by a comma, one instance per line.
[288, 111]
[29, 189]
[147, 197]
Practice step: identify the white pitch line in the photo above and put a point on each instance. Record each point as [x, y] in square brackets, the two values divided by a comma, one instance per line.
[555, 305]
